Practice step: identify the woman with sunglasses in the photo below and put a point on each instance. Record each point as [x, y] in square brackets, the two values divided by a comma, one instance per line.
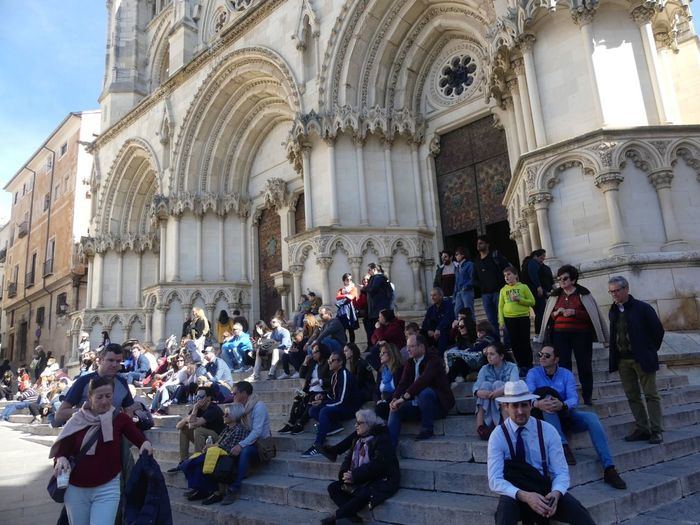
[573, 322]
[370, 471]
[389, 375]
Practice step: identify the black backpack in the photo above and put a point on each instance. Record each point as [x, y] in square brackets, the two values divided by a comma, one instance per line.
[524, 275]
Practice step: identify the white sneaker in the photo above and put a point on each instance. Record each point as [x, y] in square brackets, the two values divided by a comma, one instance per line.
[459, 379]
[283, 376]
[295, 375]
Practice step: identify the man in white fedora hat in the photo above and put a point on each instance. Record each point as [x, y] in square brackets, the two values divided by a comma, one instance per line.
[526, 466]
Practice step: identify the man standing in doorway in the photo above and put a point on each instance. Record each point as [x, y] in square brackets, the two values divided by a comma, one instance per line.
[489, 266]
[540, 280]
[445, 274]
[636, 334]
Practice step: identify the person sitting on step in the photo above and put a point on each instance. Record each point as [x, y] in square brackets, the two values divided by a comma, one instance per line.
[369, 474]
[423, 393]
[468, 356]
[388, 378]
[339, 404]
[489, 385]
[219, 374]
[561, 410]
[388, 328]
[296, 354]
[280, 335]
[317, 377]
[438, 320]
[332, 331]
[236, 348]
[361, 371]
[526, 466]
[263, 345]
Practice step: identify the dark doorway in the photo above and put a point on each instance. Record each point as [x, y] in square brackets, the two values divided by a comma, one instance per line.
[22, 341]
[270, 261]
[473, 172]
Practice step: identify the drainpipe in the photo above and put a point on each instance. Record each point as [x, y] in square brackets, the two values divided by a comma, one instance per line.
[48, 227]
[26, 254]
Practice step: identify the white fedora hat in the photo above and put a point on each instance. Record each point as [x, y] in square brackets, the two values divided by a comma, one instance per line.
[515, 392]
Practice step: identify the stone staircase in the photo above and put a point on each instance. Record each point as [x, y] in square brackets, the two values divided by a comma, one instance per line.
[444, 479]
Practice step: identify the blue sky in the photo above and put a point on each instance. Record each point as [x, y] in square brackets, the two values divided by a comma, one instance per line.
[51, 63]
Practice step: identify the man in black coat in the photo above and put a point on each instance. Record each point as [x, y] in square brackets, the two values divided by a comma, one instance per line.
[636, 334]
[370, 472]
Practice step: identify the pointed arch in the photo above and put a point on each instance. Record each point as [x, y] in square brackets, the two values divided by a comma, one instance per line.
[641, 154]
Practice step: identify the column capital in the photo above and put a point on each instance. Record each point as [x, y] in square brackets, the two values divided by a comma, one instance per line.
[661, 179]
[518, 66]
[540, 201]
[526, 41]
[642, 14]
[296, 269]
[667, 39]
[416, 261]
[434, 145]
[515, 234]
[358, 140]
[512, 85]
[608, 180]
[355, 261]
[324, 262]
[522, 223]
[583, 16]
[386, 261]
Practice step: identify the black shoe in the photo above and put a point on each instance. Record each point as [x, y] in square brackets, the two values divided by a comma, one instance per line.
[229, 498]
[286, 429]
[612, 478]
[297, 429]
[638, 435]
[656, 438]
[214, 498]
[174, 469]
[569, 455]
[197, 495]
[424, 434]
[188, 493]
[337, 429]
[330, 520]
[328, 453]
[311, 452]
[588, 402]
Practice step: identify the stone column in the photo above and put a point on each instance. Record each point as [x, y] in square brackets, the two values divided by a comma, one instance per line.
[524, 96]
[332, 183]
[389, 174]
[359, 143]
[139, 279]
[356, 268]
[308, 199]
[643, 16]
[162, 252]
[540, 201]
[211, 313]
[244, 248]
[418, 295]
[584, 20]
[417, 185]
[525, 235]
[324, 264]
[386, 264]
[661, 180]
[297, 271]
[666, 42]
[222, 248]
[609, 183]
[162, 310]
[531, 217]
[90, 278]
[176, 248]
[527, 42]
[73, 354]
[148, 329]
[428, 274]
[100, 260]
[518, 114]
[286, 215]
[199, 238]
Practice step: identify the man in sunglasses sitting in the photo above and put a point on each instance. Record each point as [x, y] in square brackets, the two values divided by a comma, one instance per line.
[562, 408]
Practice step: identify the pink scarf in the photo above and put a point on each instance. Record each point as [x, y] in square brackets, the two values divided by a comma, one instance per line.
[85, 418]
[360, 454]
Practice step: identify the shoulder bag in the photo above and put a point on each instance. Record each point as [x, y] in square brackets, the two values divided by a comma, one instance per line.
[54, 491]
[523, 475]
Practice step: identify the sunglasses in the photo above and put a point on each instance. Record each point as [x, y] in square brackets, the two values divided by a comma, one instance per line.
[383, 353]
[563, 278]
[461, 326]
[334, 360]
[544, 354]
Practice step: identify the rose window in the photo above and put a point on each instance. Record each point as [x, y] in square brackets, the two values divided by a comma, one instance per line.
[457, 76]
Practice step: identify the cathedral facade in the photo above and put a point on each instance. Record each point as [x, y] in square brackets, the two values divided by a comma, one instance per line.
[252, 150]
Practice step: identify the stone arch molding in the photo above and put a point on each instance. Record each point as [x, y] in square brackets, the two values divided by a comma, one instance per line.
[544, 178]
[687, 150]
[358, 245]
[158, 49]
[641, 154]
[253, 64]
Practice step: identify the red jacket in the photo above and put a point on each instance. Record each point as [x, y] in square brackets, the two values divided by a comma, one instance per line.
[391, 333]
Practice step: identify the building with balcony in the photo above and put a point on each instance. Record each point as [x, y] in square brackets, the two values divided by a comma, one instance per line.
[4, 243]
[43, 277]
[252, 150]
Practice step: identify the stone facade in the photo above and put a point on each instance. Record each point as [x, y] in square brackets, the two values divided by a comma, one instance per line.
[45, 272]
[222, 116]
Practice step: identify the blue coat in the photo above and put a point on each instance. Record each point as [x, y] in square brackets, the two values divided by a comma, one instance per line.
[645, 332]
[464, 276]
[146, 500]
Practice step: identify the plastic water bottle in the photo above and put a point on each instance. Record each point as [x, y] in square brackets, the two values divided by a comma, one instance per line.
[209, 441]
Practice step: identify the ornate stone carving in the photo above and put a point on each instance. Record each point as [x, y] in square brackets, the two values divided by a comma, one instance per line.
[324, 262]
[661, 179]
[608, 181]
[540, 200]
[642, 14]
[518, 67]
[583, 15]
[526, 42]
[690, 158]
[275, 193]
[604, 151]
[434, 145]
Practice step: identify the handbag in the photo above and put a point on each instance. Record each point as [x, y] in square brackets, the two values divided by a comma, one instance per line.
[266, 449]
[226, 469]
[57, 494]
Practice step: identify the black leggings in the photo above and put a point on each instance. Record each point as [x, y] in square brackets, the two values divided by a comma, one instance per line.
[581, 344]
[349, 504]
[519, 331]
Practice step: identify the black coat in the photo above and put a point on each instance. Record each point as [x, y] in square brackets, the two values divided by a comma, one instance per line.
[382, 474]
[378, 296]
[364, 380]
[324, 374]
[645, 332]
[146, 500]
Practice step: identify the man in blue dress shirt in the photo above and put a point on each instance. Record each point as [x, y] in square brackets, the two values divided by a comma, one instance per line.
[532, 442]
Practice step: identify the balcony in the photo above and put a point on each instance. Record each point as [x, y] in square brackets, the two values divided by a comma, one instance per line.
[11, 289]
[3, 255]
[22, 229]
[28, 279]
[48, 267]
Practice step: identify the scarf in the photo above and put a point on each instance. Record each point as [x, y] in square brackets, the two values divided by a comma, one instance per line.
[243, 413]
[360, 452]
[85, 418]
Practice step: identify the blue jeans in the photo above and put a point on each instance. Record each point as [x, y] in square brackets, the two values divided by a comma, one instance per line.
[196, 479]
[229, 353]
[426, 410]
[87, 506]
[247, 456]
[334, 345]
[11, 409]
[490, 302]
[327, 416]
[464, 299]
[580, 422]
[133, 376]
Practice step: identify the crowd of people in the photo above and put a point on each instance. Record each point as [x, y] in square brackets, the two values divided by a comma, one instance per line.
[407, 372]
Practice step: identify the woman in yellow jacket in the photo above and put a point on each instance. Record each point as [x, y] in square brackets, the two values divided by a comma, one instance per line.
[514, 303]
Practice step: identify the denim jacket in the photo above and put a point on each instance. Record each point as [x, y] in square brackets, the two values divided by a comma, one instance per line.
[488, 373]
